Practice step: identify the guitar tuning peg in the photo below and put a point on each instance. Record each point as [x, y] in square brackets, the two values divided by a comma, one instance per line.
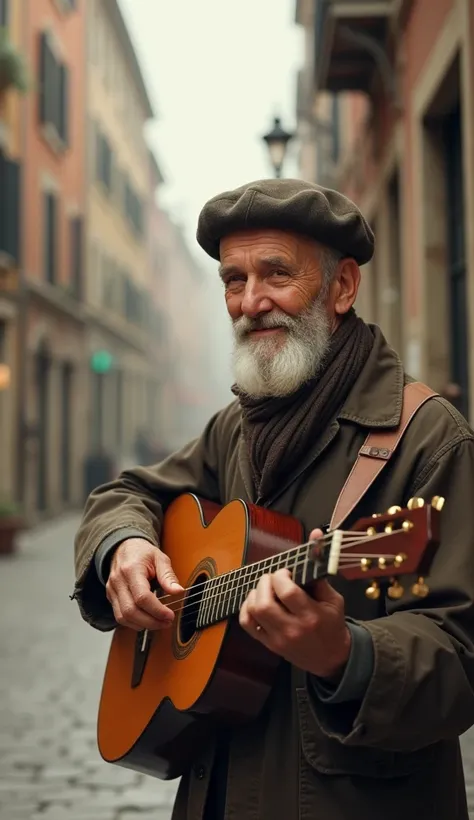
[438, 502]
[420, 589]
[376, 515]
[415, 503]
[393, 510]
[395, 590]
[373, 592]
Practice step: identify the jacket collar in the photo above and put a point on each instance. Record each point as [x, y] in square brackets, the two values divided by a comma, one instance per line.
[377, 396]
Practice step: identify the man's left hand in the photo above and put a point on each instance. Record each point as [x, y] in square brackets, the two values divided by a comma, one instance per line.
[309, 632]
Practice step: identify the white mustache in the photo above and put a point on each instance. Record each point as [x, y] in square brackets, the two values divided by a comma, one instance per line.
[245, 325]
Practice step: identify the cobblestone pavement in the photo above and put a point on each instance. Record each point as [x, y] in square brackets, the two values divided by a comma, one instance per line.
[51, 669]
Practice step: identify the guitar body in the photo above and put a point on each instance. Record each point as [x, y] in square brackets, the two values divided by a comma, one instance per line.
[163, 693]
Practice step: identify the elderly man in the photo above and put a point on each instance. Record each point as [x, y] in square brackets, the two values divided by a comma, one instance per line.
[364, 719]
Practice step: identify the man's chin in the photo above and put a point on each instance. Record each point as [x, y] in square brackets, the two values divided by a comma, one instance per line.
[266, 347]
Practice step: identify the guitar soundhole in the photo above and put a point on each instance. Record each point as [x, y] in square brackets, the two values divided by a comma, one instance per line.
[185, 632]
[189, 615]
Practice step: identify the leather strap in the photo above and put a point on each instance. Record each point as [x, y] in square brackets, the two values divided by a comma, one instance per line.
[376, 452]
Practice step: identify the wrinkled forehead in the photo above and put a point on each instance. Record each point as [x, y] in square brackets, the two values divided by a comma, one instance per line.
[254, 248]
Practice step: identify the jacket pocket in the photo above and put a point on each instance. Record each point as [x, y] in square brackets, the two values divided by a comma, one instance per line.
[328, 756]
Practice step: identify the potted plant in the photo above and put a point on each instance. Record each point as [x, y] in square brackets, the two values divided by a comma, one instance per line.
[11, 522]
[13, 72]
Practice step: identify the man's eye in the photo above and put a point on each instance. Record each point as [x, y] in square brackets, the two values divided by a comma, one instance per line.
[233, 280]
[280, 272]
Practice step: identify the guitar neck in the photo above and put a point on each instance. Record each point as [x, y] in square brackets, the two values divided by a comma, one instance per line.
[224, 595]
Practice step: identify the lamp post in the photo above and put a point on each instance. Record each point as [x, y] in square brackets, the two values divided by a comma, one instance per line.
[277, 142]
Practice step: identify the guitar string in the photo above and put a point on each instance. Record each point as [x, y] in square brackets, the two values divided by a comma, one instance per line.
[220, 591]
[348, 541]
[187, 618]
[221, 595]
[229, 579]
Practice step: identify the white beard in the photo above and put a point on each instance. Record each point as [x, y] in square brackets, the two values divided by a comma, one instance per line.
[276, 367]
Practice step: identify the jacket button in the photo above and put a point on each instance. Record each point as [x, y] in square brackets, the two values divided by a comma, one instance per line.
[200, 772]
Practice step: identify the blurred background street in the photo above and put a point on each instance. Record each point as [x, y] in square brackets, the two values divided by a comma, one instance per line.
[52, 665]
[118, 120]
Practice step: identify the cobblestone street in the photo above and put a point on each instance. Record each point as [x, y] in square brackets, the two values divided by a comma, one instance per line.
[52, 665]
[51, 669]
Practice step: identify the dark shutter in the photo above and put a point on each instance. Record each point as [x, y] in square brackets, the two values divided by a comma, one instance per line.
[50, 237]
[54, 91]
[43, 89]
[76, 256]
[9, 207]
[63, 120]
[98, 153]
[3, 13]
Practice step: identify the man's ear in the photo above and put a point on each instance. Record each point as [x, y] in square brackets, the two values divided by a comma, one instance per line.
[347, 285]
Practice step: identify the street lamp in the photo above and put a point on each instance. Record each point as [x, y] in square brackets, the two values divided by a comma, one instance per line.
[277, 142]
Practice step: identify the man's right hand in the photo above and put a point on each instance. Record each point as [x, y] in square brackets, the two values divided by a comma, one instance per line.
[134, 565]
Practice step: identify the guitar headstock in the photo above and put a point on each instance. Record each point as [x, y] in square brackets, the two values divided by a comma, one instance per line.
[388, 546]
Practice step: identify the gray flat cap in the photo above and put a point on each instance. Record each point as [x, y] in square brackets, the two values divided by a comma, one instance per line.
[287, 205]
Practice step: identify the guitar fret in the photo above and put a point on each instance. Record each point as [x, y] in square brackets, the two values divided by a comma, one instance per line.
[224, 595]
[211, 612]
[202, 613]
[220, 596]
[243, 589]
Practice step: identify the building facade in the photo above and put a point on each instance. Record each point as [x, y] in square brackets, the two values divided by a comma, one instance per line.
[52, 321]
[121, 313]
[95, 278]
[387, 116]
[11, 22]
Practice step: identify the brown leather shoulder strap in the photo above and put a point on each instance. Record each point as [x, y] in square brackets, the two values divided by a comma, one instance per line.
[375, 452]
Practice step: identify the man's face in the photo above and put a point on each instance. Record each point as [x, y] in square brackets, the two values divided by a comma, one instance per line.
[281, 311]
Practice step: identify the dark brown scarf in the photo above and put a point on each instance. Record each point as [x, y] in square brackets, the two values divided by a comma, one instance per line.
[279, 431]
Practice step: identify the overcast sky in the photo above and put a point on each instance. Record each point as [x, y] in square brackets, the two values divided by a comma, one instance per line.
[217, 71]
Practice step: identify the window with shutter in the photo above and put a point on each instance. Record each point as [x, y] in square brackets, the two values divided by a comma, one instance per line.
[76, 235]
[43, 87]
[3, 341]
[9, 207]
[3, 13]
[63, 98]
[50, 237]
[53, 91]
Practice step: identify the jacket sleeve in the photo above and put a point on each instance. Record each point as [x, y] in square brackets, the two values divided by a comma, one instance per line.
[422, 685]
[133, 505]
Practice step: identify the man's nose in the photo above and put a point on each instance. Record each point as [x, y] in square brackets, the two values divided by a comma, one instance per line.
[255, 299]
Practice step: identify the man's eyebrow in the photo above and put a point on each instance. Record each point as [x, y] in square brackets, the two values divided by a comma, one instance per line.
[227, 270]
[267, 262]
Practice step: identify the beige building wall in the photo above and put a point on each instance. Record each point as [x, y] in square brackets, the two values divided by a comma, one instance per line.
[117, 109]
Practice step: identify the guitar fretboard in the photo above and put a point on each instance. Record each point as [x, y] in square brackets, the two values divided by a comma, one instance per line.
[224, 595]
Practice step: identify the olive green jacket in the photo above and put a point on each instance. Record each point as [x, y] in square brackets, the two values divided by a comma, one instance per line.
[395, 752]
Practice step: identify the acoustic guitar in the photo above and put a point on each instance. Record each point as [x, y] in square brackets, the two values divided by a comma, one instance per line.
[165, 691]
